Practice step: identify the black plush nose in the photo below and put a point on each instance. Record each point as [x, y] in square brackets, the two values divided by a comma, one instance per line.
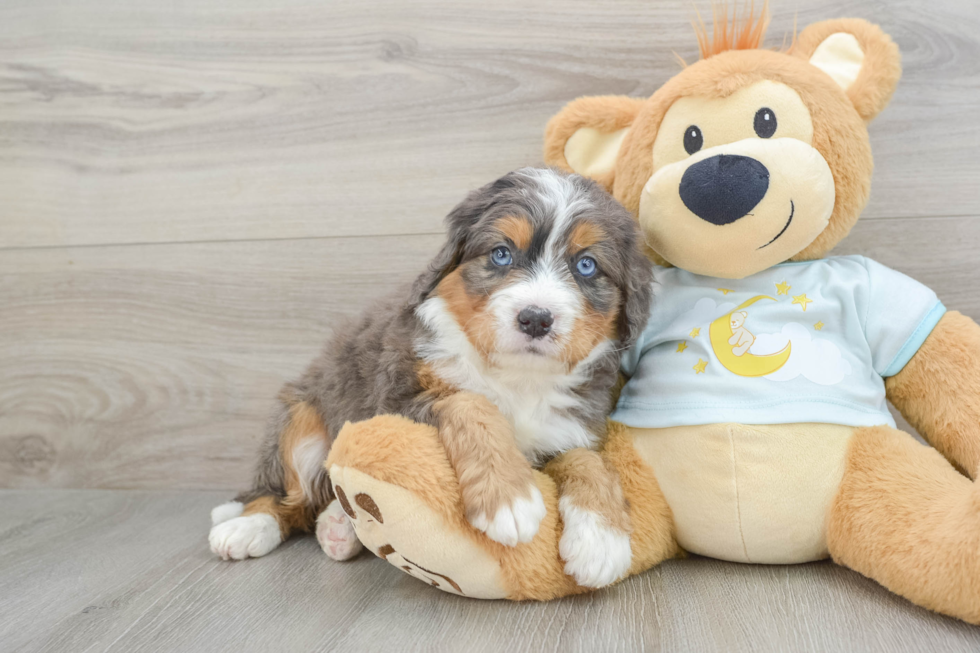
[724, 188]
[535, 321]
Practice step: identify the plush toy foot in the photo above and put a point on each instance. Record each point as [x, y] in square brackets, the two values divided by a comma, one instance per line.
[393, 479]
[336, 534]
[595, 554]
[401, 529]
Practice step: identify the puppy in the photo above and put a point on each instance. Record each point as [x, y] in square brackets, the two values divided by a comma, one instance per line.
[510, 344]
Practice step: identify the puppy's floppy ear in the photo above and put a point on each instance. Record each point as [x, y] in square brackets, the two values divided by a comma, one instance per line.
[861, 58]
[637, 295]
[444, 262]
[585, 137]
[458, 224]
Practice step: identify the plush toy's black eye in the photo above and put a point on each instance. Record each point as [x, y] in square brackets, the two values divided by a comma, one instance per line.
[693, 139]
[765, 122]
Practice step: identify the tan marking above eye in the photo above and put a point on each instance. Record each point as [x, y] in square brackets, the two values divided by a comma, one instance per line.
[729, 119]
[584, 234]
[517, 229]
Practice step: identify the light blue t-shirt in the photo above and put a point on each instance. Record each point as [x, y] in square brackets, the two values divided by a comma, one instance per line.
[799, 342]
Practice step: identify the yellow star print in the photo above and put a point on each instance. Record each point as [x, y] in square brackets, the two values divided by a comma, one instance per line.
[802, 300]
[695, 332]
[783, 288]
[681, 347]
[818, 326]
[699, 368]
[725, 291]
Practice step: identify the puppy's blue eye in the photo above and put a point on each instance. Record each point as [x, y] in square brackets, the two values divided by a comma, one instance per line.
[586, 266]
[501, 256]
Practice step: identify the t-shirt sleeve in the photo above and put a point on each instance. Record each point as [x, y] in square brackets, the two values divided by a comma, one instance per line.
[901, 314]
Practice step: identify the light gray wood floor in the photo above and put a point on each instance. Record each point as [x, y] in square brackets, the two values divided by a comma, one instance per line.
[97, 570]
[193, 193]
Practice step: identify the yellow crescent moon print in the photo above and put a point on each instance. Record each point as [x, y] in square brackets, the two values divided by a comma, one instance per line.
[747, 364]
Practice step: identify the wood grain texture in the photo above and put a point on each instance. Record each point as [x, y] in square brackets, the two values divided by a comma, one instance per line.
[131, 572]
[134, 121]
[154, 366]
[192, 194]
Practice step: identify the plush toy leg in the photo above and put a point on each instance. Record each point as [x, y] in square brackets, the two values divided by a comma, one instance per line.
[393, 479]
[906, 518]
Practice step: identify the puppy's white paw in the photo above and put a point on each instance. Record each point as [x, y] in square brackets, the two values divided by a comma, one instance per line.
[243, 537]
[335, 533]
[226, 511]
[514, 523]
[595, 555]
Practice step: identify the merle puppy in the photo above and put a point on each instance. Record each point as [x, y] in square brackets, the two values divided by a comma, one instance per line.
[509, 343]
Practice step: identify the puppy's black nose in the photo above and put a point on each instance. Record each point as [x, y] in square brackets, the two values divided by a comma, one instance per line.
[534, 321]
[723, 188]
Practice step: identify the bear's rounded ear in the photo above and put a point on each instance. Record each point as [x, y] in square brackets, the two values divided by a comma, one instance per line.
[861, 58]
[585, 136]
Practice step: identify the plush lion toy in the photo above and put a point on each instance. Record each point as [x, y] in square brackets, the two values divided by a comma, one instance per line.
[753, 426]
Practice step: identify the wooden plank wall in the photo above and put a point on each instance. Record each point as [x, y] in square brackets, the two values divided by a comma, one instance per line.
[192, 194]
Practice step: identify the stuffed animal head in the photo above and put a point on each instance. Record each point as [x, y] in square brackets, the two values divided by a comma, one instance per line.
[738, 319]
[747, 158]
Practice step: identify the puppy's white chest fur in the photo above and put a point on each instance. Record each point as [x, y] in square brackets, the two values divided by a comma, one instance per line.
[533, 392]
[534, 400]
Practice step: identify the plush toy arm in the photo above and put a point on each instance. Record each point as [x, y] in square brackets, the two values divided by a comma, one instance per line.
[938, 391]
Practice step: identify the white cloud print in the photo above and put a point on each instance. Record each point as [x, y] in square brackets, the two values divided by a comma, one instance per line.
[816, 359]
[704, 313]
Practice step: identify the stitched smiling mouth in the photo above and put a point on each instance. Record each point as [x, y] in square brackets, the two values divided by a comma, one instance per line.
[792, 210]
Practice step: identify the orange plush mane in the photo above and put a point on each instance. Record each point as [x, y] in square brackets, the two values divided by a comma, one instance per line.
[739, 32]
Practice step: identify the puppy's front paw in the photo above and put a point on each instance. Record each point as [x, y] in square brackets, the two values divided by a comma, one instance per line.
[335, 533]
[249, 536]
[595, 554]
[513, 522]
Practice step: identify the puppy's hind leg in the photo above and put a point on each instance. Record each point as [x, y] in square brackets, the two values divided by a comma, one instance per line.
[335, 532]
[290, 488]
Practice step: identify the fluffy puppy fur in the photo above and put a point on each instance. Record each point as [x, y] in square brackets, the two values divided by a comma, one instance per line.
[509, 342]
